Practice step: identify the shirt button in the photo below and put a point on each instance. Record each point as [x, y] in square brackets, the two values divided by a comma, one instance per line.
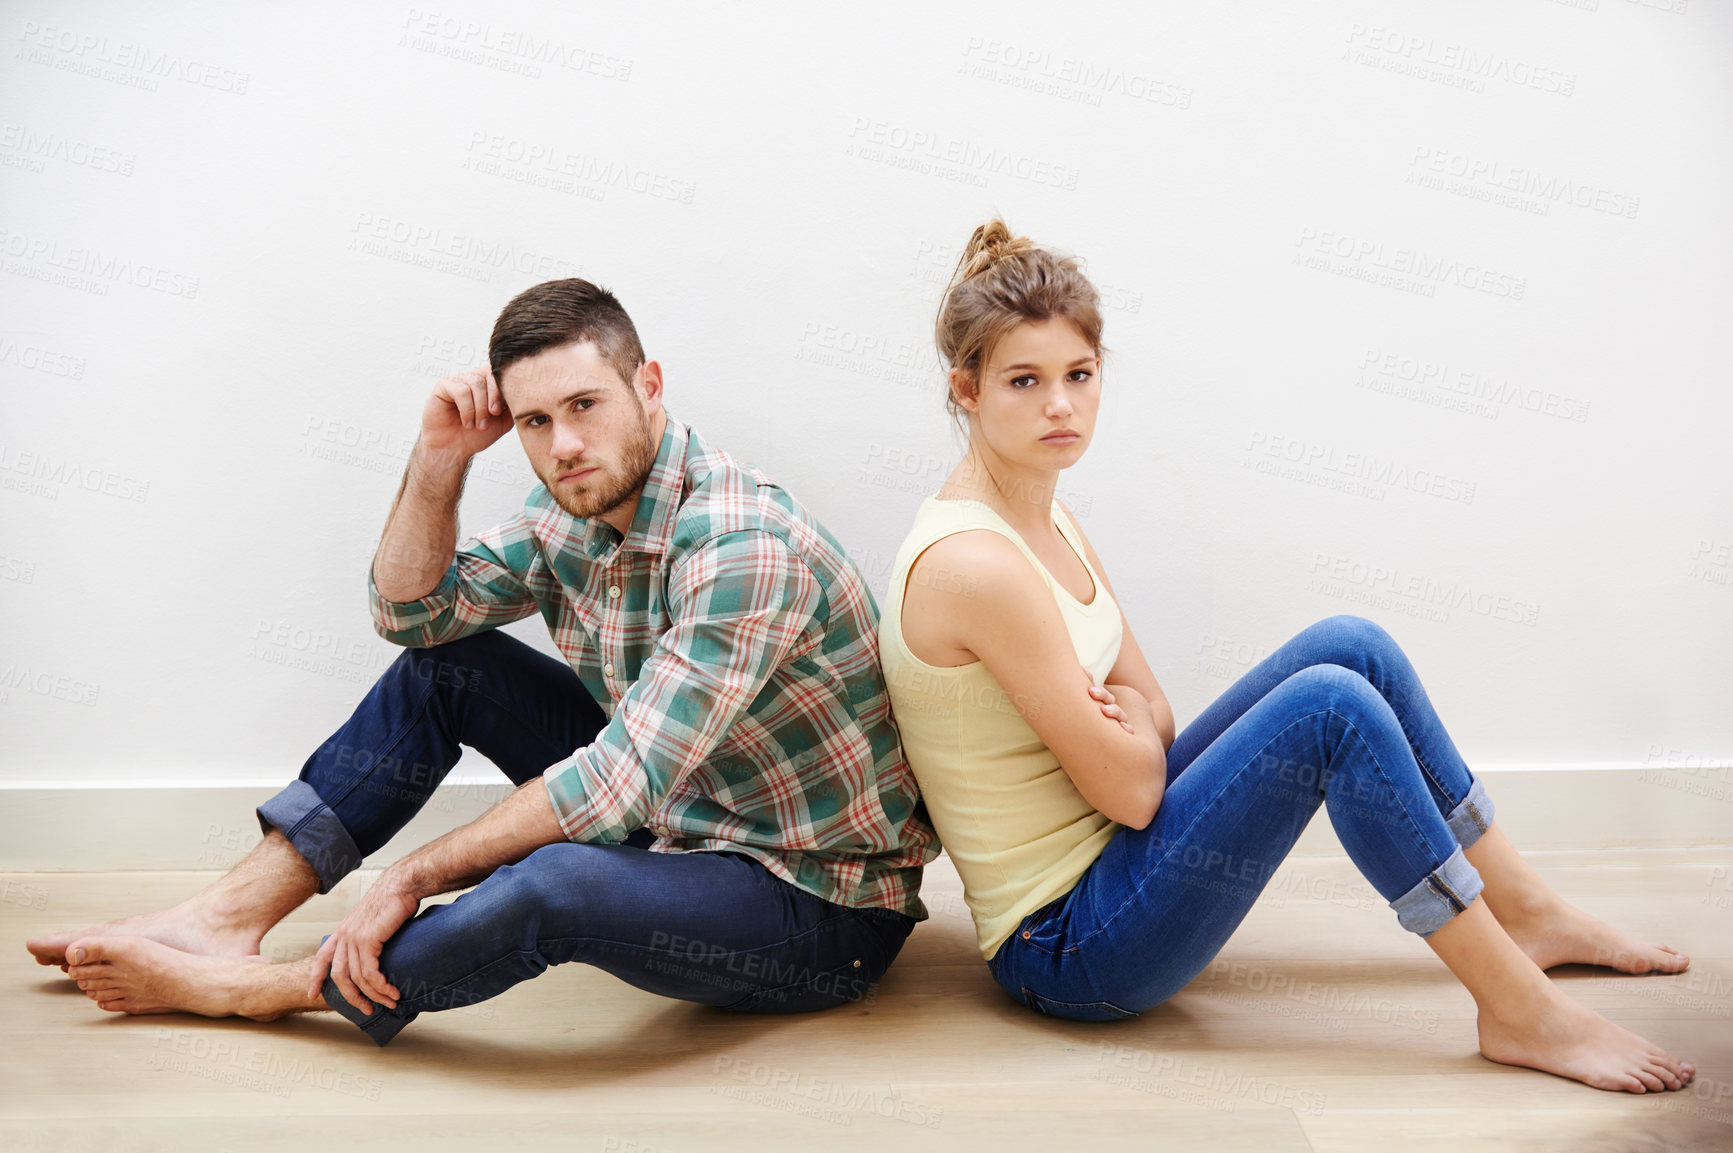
[608, 670]
[613, 590]
[857, 964]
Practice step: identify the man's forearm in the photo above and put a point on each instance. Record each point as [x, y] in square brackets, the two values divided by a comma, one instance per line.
[420, 536]
[504, 835]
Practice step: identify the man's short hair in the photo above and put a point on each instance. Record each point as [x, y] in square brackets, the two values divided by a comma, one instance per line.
[557, 312]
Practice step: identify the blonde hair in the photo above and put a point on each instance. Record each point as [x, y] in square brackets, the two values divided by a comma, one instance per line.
[1002, 281]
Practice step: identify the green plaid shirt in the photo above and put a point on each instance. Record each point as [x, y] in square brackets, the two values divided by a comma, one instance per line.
[734, 647]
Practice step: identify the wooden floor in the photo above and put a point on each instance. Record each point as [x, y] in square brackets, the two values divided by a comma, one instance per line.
[1321, 1027]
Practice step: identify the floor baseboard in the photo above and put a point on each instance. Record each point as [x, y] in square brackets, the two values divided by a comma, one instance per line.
[85, 829]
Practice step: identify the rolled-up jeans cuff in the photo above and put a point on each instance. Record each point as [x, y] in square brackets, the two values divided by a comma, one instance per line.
[380, 1025]
[301, 815]
[1440, 895]
[1473, 816]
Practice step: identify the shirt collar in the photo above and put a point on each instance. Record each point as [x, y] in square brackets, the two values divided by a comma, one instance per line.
[653, 521]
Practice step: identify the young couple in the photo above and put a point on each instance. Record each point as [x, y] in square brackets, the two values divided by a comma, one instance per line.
[715, 803]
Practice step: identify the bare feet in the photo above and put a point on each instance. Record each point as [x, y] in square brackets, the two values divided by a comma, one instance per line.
[185, 927]
[134, 974]
[228, 919]
[1557, 1035]
[1550, 929]
[1559, 933]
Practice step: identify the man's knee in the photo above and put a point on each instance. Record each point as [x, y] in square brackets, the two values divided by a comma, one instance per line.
[454, 664]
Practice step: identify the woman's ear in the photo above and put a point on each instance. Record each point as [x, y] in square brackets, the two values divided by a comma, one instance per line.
[963, 389]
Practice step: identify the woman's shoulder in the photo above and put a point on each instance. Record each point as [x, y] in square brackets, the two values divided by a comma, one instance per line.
[983, 561]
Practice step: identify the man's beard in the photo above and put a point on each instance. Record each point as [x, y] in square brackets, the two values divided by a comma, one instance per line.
[609, 488]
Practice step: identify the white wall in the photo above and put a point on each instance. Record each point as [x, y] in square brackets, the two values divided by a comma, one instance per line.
[240, 243]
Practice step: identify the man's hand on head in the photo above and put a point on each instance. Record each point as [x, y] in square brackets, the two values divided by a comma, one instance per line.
[465, 414]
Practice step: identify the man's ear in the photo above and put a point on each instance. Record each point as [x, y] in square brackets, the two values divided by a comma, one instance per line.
[647, 382]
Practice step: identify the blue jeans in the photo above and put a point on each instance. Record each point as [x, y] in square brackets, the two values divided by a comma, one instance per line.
[713, 927]
[1335, 717]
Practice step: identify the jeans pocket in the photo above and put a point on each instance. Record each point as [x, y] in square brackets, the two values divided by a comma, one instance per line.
[822, 990]
[1075, 1010]
[866, 943]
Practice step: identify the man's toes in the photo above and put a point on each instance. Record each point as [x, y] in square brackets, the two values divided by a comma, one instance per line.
[88, 951]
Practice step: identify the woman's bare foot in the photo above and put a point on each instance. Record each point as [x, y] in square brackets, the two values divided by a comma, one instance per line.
[1559, 933]
[138, 975]
[1557, 1035]
[1525, 1019]
[1550, 929]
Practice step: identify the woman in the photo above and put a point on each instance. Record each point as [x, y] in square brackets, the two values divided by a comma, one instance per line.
[1106, 861]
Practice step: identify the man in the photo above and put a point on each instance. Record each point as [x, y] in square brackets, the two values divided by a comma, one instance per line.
[736, 827]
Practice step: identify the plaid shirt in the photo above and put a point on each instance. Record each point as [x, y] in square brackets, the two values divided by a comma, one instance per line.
[734, 647]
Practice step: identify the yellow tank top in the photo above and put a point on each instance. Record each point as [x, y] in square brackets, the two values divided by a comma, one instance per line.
[1012, 822]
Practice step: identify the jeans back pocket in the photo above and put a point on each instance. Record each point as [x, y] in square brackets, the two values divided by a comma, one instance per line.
[1075, 1010]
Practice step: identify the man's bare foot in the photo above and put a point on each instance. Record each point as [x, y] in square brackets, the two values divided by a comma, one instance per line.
[185, 927]
[1557, 1035]
[1559, 933]
[228, 919]
[138, 975]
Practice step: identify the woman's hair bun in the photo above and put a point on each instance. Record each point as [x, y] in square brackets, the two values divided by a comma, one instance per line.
[1003, 280]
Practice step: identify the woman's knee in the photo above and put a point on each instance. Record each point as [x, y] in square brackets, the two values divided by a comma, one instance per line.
[1324, 684]
[1333, 689]
[1350, 637]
